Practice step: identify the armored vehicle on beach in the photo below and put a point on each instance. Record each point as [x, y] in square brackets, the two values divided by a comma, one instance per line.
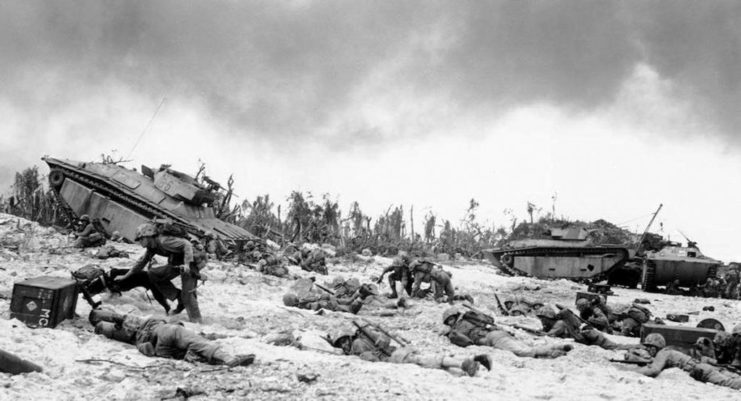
[567, 254]
[674, 262]
[122, 199]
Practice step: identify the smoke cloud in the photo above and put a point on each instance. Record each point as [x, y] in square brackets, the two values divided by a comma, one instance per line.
[283, 70]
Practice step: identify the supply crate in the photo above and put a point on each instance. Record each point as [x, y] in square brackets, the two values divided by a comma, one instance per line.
[44, 301]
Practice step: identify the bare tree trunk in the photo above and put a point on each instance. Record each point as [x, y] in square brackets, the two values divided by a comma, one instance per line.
[411, 221]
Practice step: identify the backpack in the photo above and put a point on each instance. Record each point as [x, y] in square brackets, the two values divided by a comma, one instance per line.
[170, 228]
[478, 318]
[91, 280]
[639, 313]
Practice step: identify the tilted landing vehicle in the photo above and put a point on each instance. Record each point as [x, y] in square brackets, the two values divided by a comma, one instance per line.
[122, 199]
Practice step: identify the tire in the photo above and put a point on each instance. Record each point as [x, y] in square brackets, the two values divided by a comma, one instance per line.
[506, 260]
[56, 178]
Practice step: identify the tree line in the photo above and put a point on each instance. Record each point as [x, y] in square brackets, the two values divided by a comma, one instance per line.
[305, 219]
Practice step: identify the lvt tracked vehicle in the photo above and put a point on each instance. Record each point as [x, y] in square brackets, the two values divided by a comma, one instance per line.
[687, 265]
[122, 199]
[567, 254]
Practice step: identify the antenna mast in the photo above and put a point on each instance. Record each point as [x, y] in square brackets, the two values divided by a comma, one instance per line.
[146, 128]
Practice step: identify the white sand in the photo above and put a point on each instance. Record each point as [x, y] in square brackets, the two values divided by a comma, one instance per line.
[245, 306]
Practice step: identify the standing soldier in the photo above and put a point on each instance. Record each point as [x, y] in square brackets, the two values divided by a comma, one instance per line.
[401, 273]
[180, 261]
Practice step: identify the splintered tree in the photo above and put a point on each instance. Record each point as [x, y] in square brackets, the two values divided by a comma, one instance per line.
[31, 200]
[260, 219]
[430, 228]
[299, 215]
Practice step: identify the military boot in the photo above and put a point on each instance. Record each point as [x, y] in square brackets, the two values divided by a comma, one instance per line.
[240, 360]
[484, 360]
[470, 367]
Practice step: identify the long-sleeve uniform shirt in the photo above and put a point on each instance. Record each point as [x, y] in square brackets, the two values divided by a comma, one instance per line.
[669, 358]
[464, 332]
[178, 251]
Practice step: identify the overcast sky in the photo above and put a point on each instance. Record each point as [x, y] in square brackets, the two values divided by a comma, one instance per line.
[613, 106]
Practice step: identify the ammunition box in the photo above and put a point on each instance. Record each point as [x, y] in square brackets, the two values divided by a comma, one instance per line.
[678, 336]
[44, 301]
[600, 289]
[590, 296]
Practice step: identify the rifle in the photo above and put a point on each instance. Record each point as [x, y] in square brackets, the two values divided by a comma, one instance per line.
[561, 307]
[372, 338]
[401, 340]
[629, 362]
[530, 330]
[501, 307]
[321, 287]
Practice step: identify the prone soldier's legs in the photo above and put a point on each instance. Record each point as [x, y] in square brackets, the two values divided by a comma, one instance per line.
[434, 361]
[709, 374]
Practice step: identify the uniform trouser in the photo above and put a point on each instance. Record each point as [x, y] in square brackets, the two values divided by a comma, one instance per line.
[90, 241]
[406, 282]
[446, 287]
[712, 375]
[502, 340]
[162, 276]
[175, 341]
[594, 337]
[189, 297]
[139, 279]
[404, 355]
[419, 277]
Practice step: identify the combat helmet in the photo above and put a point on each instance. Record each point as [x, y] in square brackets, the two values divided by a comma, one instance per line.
[290, 299]
[145, 230]
[337, 335]
[722, 338]
[450, 312]
[736, 330]
[582, 303]
[546, 311]
[655, 339]
[85, 217]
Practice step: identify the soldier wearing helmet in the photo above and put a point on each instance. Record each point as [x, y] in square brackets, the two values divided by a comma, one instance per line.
[181, 261]
[156, 337]
[400, 272]
[88, 235]
[666, 357]
[594, 315]
[370, 344]
[565, 324]
[313, 261]
[313, 298]
[472, 327]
